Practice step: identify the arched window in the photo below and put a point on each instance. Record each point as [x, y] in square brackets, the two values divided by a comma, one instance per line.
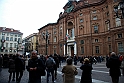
[55, 39]
[95, 28]
[118, 22]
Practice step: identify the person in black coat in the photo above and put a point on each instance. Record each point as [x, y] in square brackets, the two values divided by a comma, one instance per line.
[1, 62]
[35, 67]
[114, 64]
[11, 66]
[56, 59]
[19, 67]
[87, 71]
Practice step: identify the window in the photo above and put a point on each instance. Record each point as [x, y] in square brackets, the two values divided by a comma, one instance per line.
[94, 11]
[97, 49]
[3, 37]
[15, 39]
[96, 29]
[11, 34]
[15, 45]
[3, 33]
[115, 0]
[82, 50]
[120, 47]
[60, 33]
[54, 39]
[119, 35]
[54, 28]
[108, 26]
[54, 46]
[7, 34]
[7, 38]
[109, 39]
[54, 32]
[11, 38]
[6, 50]
[81, 20]
[60, 45]
[107, 22]
[96, 40]
[15, 35]
[61, 28]
[6, 45]
[95, 18]
[72, 33]
[81, 14]
[118, 22]
[19, 35]
[54, 51]
[82, 41]
[107, 14]
[11, 45]
[109, 48]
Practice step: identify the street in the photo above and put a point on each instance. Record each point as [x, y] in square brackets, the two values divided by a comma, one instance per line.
[100, 74]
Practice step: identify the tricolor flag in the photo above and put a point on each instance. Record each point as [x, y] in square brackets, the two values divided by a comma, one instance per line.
[67, 36]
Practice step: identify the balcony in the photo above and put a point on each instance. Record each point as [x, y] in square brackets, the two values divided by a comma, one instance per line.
[71, 39]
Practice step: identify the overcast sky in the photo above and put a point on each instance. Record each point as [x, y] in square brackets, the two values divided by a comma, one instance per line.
[29, 15]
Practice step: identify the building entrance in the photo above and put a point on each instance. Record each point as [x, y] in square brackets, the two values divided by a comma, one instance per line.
[72, 51]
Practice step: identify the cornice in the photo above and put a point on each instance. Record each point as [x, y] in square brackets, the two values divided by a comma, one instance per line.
[81, 7]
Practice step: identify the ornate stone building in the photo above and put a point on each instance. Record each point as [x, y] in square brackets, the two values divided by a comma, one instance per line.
[86, 27]
[10, 41]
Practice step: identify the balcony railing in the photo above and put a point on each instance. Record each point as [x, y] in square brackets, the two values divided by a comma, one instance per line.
[70, 39]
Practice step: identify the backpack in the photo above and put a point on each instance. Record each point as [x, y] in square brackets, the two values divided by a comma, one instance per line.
[50, 63]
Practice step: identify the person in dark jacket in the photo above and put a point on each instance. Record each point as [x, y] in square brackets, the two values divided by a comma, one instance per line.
[87, 71]
[11, 66]
[56, 59]
[19, 68]
[35, 66]
[1, 62]
[114, 64]
[50, 64]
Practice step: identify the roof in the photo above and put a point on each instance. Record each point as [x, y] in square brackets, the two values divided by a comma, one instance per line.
[9, 30]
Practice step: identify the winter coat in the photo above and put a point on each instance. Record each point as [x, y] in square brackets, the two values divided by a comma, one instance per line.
[1, 61]
[19, 64]
[114, 64]
[69, 73]
[11, 66]
[50, 63]
[32, 63]
[86, 73]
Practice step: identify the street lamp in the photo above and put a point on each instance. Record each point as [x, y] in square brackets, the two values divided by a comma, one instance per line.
[118, 7]
[45, 36]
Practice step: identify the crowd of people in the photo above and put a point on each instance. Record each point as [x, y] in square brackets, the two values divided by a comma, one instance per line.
[40, 65]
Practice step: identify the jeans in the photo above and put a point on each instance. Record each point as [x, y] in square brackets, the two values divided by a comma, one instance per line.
[50, 71]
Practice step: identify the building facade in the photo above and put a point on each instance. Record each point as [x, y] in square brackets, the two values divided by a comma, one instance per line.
[86, 27]
[30, 43]
[10, 41]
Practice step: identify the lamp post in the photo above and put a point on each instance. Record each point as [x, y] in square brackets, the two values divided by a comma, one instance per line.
[45, 36]
[118, 7]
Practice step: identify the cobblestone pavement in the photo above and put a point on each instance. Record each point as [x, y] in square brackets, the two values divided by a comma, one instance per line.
[99, 75]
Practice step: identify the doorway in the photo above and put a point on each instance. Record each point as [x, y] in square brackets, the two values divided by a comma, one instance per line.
[72, 51]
